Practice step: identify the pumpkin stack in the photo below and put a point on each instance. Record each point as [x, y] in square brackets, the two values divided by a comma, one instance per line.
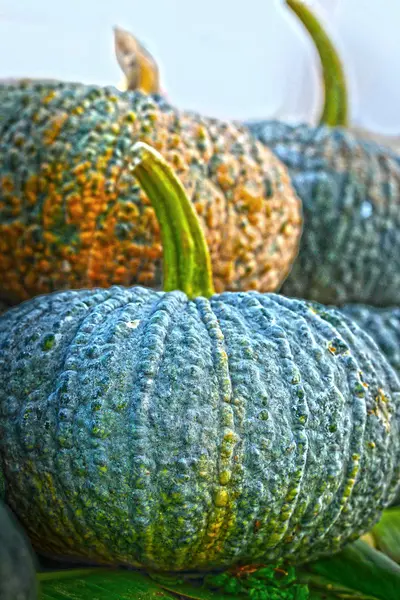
[349, 188]
[185, 429]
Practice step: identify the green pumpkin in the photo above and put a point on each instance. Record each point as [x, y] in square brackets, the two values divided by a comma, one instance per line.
[186, 429]
[350, 192]
[383, 325]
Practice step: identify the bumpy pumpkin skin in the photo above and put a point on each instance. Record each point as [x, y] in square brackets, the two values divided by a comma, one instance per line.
[383, 325]
[72, 214]
[350, 189]
[17, 570]
[139, 427]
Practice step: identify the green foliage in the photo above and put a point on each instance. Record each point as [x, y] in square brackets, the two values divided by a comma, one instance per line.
[267, 583]
[357, 573]
[359, 569]
[99, 584]
[386, 534]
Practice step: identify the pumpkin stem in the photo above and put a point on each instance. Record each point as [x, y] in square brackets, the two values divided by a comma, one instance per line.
[186, 258]
[335, 111]
[138, 66]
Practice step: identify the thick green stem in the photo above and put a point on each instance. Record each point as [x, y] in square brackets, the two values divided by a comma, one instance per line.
[187, 262]
[335, 111]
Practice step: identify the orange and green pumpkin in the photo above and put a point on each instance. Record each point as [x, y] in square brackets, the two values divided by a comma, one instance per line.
[72, 214]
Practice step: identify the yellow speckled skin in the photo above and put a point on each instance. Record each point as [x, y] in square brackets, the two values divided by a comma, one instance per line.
[72, 214]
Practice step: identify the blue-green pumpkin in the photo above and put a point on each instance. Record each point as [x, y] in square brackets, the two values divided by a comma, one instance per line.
[185, 429]
[350, 192]
[383, 325]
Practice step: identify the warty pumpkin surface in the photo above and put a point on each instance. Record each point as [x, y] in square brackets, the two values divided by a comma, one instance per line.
[350, 190]
[72, 214]
[139, 427]
[383, 325]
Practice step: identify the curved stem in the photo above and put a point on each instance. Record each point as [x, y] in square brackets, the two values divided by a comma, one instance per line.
[335, 111]
[187, 262]
[138, 65]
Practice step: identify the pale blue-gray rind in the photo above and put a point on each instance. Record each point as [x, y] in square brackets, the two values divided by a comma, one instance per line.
[383, 325]
[350, 189]
[139, 427]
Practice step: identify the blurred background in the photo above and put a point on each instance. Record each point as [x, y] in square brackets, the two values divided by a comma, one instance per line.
[240, 59]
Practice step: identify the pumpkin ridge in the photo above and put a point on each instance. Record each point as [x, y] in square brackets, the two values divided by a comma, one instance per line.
[359, 416]
[271, 528]
[222, 513]
[300, 414]
[323, 322]
[82, 347]
[231, 324]
[348, 321]
[55, 478]
[106, 415]
[70, 381]
[383, 325]
[366, 518]
[145, 467]
[34, 483]
[304, 522]
[194, 440]
[331, 513]
[246, 513]
[101, 416]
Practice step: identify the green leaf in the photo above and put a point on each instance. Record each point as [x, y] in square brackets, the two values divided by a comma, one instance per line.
[324, 589]
[386, 533]
[359, 572]
[195, 592]
[338, 595]
[359, 568]
[99, 584]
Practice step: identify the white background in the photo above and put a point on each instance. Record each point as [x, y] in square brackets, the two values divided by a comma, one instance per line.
[226, 58]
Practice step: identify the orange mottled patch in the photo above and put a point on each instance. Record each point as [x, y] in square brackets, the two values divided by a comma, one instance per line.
[72, 214]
